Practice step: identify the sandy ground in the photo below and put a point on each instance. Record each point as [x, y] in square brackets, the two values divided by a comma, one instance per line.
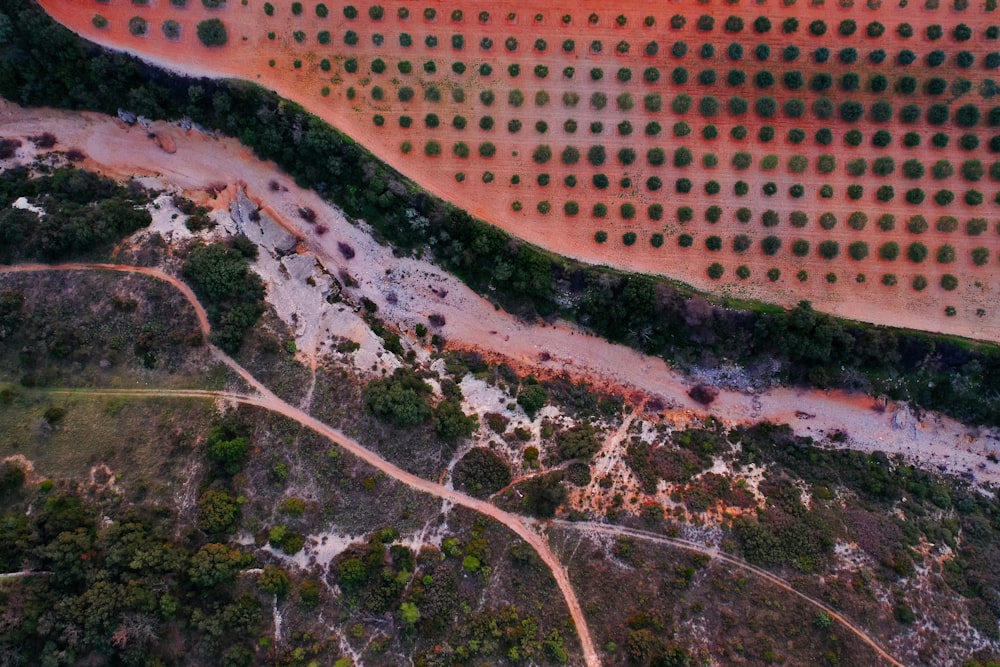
[249, 51]
[412, 290]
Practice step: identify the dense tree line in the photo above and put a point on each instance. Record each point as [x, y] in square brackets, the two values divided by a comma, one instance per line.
[116, 587]
[43, 64]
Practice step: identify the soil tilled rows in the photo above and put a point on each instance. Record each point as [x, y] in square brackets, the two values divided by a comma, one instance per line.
[343, 81]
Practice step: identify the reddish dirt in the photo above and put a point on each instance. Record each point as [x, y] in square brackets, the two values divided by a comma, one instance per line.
[249, 51]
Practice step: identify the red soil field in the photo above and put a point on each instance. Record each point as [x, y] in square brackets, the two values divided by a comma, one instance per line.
[353, 77]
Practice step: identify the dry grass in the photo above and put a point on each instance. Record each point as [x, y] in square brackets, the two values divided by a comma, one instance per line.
[148, 444]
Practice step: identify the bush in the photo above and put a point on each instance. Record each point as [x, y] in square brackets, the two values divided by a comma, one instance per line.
[949, 282]
[851, 111]
[481, 473]
[975, 226]
[917, 252]
[139, 27]
[947, 224]
[432, 148]
[770, 245]
[889, 251]
[829, 249]
[858, 250]
[944, 197]
[823, 108]
[946, 254]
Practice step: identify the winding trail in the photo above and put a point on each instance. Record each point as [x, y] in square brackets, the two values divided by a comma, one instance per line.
[516, 524]
[523, 527]
[269, 401]
[715, 553]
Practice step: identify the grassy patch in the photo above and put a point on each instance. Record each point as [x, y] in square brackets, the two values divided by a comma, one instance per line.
[100, 329]
[147, 442]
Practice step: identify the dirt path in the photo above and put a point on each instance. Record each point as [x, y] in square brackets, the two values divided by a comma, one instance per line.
[516, 524]
[269, 401]
[519, 525]
[603, 529]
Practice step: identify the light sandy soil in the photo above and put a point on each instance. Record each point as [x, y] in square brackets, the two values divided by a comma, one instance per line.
[413, 290]
[249, 51]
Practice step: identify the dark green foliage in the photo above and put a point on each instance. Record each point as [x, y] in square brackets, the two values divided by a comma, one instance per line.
[401, 399]
[228, 446]
[770, 245]
[212, 32]
[85, 215]
[543, 494]
[218, 512]
[138, 26]
[532, 398]
[232, 294]
[481, 473]
[578, 442]
[451, 423]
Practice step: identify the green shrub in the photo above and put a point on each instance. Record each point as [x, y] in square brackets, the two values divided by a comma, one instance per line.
[829, 249]
[770, 245]
[432, 148]
[946, 254]
[138, 26]
[858, 250]
[212, 32]
[917, 252]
